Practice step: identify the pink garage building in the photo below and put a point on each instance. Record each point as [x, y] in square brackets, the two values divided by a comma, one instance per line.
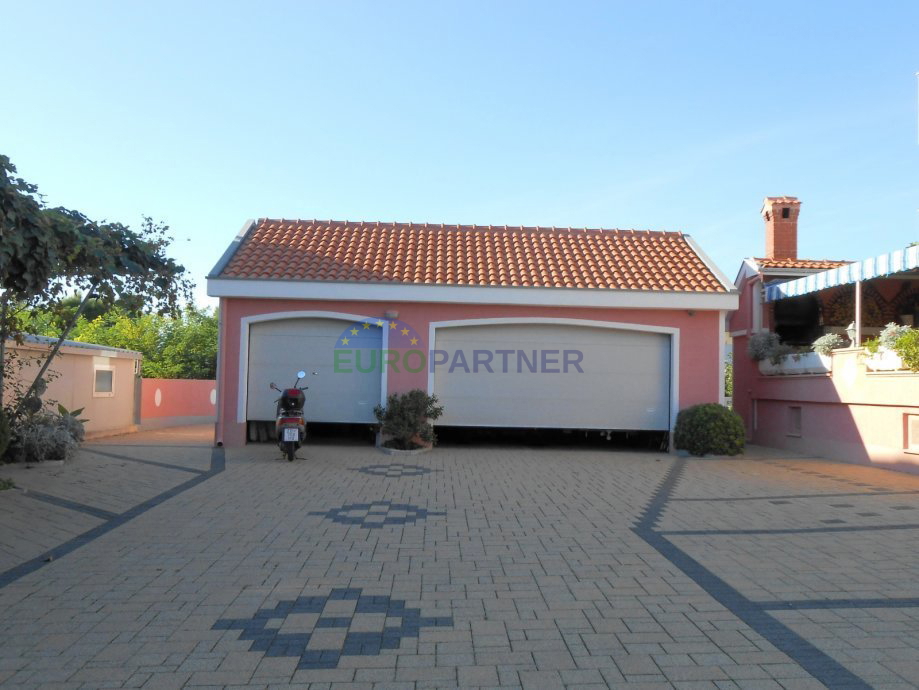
[849, 405]
[522, 327]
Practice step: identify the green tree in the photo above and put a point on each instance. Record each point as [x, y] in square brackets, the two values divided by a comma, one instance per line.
[47, 252]
[190, 345]
[729, 376]
[174, 347]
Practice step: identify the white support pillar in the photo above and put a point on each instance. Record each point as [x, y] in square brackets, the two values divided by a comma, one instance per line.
[858, 314]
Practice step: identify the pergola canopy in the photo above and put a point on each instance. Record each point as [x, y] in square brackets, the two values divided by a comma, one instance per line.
[898, 261]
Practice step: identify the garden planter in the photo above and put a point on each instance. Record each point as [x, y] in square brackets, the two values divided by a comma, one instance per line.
[884, 360]
[805, 363]
[400, 453]
[381, 439]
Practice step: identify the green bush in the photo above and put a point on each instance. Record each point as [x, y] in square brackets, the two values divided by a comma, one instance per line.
[891, 334]
[407, 417]
[907, 346]
[4, 433]
[762, 345]
[44, 436]
[709, 428]
[825, 344]
[768, 345]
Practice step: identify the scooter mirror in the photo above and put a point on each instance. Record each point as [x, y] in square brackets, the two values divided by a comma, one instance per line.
[301, 374]
[272, 386]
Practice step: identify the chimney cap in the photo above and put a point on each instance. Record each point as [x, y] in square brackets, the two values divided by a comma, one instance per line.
[771, 202]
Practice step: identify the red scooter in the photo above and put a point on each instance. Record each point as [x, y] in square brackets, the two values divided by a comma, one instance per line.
[290, 425]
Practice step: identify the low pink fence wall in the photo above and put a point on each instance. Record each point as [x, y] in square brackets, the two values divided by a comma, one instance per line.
[177, 398]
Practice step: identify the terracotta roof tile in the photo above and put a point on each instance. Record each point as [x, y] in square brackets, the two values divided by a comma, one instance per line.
[345, 251]
[800, 263]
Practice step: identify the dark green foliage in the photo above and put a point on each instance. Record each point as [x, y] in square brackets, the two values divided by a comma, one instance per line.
[709, 428]
[407, 418]
[907, 346]
[4, 433]
[28, 247]
[729, 376]
[45, 252]
[180, 346]
[44, 436]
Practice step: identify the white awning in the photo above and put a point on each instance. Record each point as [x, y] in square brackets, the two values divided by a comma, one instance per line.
[875, 267]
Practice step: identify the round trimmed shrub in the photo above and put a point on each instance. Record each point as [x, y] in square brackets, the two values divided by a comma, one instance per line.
[709, 428]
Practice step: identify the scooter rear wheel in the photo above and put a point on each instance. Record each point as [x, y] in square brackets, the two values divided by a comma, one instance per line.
[290, 448]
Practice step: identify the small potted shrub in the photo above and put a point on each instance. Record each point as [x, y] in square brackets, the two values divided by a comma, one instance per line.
[405, 422]
[763, 346]
[823, 349]
[709, 429]
[882, 353]
[825, 344]
[907, 347]
[768, 349]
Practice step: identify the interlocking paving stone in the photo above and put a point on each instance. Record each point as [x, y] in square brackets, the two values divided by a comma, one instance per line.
[395, 470]
[377, 514]
[531, 556]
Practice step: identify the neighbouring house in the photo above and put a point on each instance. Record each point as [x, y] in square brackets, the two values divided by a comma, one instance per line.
[531, 327]
[103, 381]
[844, 405]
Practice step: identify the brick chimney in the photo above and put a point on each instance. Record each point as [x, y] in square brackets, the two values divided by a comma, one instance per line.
[781, 216]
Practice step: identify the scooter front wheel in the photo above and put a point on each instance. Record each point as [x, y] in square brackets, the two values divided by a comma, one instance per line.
[290, 448]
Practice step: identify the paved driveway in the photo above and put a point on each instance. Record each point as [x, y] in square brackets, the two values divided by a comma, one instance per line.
[465, 567]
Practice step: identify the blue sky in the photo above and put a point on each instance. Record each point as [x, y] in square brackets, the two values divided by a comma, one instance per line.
[668, 116]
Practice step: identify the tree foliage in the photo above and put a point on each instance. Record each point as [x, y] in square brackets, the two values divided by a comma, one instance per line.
[183, 346]
[47, 252]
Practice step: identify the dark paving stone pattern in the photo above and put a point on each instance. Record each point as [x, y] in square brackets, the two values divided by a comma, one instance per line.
[395, 470]
[377, 514]
[395, 621]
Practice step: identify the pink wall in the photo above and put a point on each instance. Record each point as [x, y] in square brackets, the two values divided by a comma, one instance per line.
[742, 319]
[699, 356]
[177, 398]
[850, 415]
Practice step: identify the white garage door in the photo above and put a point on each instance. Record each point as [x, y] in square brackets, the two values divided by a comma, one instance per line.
[278, 349]
[625, 382]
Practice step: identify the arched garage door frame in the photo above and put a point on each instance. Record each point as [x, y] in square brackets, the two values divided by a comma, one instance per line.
[674, 334]
[246, 322]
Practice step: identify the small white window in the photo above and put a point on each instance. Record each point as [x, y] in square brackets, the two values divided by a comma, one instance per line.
[104, 382]
[794, 421]
[912, 433]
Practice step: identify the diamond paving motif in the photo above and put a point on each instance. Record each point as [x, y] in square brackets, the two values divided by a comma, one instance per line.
[377, 514]
[322, 629]
[395, 470]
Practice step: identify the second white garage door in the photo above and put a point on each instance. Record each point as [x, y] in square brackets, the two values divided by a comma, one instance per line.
[625, 382]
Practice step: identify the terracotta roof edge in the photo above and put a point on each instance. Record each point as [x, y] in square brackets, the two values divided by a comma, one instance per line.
[726, 282]
[232, 249]
[469, 285]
